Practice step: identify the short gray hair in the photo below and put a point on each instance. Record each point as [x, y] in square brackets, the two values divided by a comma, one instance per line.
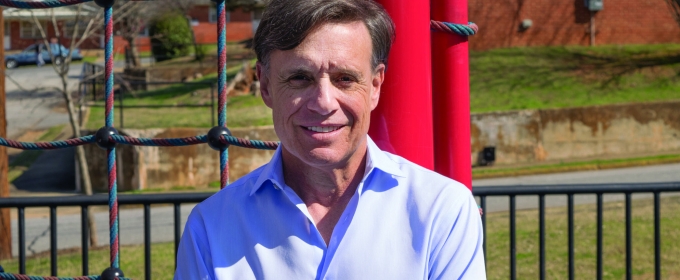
[286, 23]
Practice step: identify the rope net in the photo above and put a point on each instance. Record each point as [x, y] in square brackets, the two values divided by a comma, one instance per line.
[219, 137]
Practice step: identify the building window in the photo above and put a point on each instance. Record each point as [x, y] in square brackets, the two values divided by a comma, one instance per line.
[212, 16]
[28, 30]
[69, 28]
[144, 32]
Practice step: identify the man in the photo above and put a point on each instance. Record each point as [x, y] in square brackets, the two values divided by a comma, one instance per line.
[330, 204]
[39, 47]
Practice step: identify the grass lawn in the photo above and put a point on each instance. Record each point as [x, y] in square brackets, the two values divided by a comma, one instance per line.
[132, 257]
[557, 77]
[242, 111]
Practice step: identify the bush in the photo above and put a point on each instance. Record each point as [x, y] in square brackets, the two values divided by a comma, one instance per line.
[170, 37]
[201, 52]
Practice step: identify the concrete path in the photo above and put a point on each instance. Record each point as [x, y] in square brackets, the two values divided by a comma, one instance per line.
[646, 174]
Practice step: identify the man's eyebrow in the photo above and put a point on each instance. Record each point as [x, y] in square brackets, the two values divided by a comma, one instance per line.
[286, 73]
[350, 72]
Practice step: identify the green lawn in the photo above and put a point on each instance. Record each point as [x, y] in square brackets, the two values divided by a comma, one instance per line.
[132, 257]
[242, 111]
[557, 77]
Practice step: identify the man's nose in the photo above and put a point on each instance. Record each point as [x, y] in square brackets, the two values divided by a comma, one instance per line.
[324, 98]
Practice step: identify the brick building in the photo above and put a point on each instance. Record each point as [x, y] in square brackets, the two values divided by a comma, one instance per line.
[241, 23]
[567, 22]
[21, 32]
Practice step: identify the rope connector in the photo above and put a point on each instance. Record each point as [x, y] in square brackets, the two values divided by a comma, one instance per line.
[105, 3]
[112, 273]
[215, 138]
[103, 137]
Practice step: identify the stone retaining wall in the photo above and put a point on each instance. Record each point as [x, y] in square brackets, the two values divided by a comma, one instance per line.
[572, 133]
[166, 167]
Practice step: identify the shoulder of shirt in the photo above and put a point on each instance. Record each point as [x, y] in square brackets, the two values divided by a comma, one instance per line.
[232, 194]
[417, 176]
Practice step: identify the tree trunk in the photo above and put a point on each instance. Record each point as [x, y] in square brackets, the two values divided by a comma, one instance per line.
[133, 55]
[80, 151]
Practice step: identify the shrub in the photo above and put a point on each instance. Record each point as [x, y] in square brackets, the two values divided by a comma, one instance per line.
[170, 37]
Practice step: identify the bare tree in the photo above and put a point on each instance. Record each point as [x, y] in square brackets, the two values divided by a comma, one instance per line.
[674, 6]
[91, 23]
[132, 19]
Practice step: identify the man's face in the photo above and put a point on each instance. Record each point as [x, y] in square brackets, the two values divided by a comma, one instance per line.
[322, 93]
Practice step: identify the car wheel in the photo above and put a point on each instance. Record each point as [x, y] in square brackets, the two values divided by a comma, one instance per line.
[58, 60]
[11, 63]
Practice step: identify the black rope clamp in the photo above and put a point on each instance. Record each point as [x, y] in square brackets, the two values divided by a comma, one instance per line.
[105, 3]
[214, 138]
[112, 273]
[103, 137]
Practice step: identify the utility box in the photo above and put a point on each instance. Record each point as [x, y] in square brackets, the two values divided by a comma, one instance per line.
[594, 5]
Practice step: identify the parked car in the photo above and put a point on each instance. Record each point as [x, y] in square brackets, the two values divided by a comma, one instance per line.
[27, 56]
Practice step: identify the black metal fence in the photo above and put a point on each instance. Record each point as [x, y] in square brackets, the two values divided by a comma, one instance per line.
[85, 202]
[570, 190]
[122, 93]
[92, 83]
[481, 192]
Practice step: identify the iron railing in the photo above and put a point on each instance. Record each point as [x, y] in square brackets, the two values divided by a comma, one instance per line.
[20, 203]
[570, 190]
[481, 192]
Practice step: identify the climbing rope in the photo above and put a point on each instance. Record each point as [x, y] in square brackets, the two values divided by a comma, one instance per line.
[9, 276]
[461, 29]
[218, 138]
[222, 86]
[40, 4]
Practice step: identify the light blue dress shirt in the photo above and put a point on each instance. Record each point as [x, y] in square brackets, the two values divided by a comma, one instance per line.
[403, 222]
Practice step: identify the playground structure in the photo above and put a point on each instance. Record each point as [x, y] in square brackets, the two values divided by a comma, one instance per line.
[423, 116]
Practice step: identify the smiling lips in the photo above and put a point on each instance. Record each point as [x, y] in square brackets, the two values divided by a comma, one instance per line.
[322, 128]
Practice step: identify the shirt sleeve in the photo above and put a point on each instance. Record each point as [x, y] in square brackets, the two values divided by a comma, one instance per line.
[193, 254]
[458, 241]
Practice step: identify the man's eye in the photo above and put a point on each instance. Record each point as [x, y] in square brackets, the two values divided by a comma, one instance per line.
[345, 79]
[299, 78]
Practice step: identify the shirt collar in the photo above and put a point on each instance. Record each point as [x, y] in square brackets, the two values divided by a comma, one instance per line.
[376, 159]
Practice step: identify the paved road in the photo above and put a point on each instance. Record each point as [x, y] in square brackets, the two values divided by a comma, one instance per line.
[647, 174]
[131, 220]
[31, 104]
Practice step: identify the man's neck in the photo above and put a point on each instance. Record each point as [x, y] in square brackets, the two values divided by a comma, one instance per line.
[324, 186]
[325, 192]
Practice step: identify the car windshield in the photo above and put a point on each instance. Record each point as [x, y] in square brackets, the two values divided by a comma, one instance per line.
[30, 49]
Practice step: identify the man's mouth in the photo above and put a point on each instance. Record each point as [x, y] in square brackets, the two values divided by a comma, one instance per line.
[322, 128]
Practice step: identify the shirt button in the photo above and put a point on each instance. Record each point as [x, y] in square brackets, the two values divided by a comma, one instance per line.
[276, 187]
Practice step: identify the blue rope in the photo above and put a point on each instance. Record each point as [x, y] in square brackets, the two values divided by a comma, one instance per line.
[461, 29]
[40, 4]
[48, 145]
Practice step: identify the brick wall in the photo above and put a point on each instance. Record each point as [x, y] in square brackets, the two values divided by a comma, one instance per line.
[566, 22]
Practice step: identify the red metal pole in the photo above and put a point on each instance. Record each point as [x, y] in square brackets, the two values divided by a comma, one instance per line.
[402, 122]
[451, 94]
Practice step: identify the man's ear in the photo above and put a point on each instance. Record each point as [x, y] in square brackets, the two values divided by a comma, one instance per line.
[263, 76]
[376, 84]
